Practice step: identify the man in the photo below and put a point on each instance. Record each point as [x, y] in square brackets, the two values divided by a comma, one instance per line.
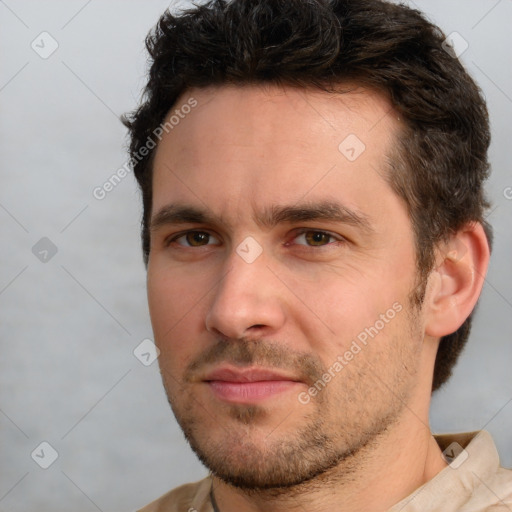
[312, 178]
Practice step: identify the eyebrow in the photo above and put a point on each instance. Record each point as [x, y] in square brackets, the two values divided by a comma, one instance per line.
[181, 214]
[325, 210]
[269, 218]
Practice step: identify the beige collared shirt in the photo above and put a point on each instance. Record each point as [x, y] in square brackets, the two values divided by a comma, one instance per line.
[473, 482]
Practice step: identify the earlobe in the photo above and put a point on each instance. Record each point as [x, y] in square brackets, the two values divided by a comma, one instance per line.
[457, 280]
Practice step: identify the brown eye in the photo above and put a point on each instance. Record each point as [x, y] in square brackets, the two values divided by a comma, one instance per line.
[197, 238]
[316, 238]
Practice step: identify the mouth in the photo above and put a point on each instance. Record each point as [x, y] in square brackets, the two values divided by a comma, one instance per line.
[248, 385]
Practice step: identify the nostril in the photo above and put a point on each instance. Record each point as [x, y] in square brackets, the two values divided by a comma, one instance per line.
[256, 329]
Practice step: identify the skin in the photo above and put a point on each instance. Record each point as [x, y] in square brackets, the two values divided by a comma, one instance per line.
[361, 442]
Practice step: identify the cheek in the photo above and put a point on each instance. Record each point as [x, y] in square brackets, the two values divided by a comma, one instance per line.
[161, 301]
[171, 294]
[176, 316]
[352, 305]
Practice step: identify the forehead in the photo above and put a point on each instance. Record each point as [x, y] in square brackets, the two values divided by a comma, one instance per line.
[257, 145]
[259, 113]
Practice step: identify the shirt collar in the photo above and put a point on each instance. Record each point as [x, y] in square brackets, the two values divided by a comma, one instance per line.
[452, 487]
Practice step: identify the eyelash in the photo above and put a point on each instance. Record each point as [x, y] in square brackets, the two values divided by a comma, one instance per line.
[177, 236]
[336, 238]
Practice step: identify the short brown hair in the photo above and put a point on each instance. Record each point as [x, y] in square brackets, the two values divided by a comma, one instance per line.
[440, 163]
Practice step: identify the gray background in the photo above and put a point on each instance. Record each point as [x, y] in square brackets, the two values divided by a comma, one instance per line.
[69, 325]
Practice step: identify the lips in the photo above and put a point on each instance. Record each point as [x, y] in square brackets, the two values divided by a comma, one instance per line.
[246, 375]
[248, 384]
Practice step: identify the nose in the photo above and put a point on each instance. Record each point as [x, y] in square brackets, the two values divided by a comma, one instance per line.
[247, 301]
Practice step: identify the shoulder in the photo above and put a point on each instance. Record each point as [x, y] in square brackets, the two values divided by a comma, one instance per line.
[192, 497]
[490, 483]
[498, 491]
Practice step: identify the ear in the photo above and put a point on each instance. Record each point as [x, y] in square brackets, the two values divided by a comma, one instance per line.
[456, 282]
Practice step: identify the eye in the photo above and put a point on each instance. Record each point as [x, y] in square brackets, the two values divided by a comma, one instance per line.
[194, 239]
[315, 238]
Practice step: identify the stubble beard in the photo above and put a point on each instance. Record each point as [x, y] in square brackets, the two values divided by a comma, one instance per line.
[322, 450]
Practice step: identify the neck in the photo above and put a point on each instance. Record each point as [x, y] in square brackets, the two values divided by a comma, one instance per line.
[371, 480]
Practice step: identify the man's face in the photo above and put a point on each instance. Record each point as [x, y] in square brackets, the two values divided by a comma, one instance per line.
[279, 280]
